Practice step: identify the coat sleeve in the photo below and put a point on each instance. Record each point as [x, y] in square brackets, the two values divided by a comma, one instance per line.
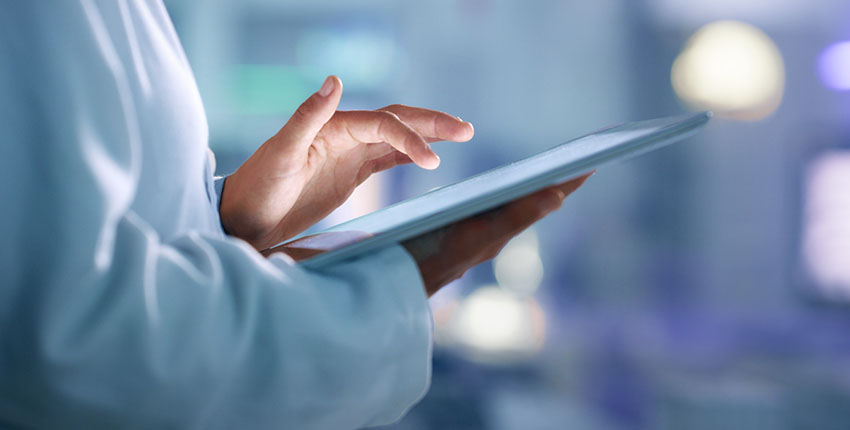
[102, 325]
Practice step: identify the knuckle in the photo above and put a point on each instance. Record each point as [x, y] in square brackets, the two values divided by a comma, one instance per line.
[551, 199]
[388, 116]
[305, 109]
[411, 140]
[384, 120]
[518, 215]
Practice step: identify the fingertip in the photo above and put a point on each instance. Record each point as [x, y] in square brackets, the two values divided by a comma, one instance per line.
[570, 186]
[327, 87]
[431, 162]
[331, 85]
[467, 132]
[453, 128]
[337, 82]
[460, 130]
[582, 179]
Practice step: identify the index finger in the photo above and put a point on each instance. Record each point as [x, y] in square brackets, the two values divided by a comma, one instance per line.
[433, 125]
[385, 126]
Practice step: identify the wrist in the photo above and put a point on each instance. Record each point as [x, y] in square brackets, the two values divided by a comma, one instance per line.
[229, 207]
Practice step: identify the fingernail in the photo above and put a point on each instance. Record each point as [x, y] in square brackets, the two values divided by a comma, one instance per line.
[327, 87]
[459, 118]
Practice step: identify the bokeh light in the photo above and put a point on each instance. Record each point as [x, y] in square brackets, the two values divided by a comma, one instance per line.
[518, 267]
[826, 232]
[834, 66]
[731, 68]
[492, 324]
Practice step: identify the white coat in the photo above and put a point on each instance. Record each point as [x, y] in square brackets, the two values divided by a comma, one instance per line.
[122, 302]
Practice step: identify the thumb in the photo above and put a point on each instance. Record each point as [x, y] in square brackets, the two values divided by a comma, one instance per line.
[318, 109]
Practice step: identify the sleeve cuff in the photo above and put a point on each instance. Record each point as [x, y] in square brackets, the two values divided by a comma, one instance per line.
[218, 187]
[414, 369]
[392, 274]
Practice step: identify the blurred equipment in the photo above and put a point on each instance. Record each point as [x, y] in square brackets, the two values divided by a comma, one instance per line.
[826, 229]
[732, 68]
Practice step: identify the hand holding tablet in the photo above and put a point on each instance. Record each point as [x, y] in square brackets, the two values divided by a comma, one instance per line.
[445, 254]
[453, 228]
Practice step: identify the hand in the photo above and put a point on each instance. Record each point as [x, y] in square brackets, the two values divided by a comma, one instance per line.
[314, 163]
[446, 254]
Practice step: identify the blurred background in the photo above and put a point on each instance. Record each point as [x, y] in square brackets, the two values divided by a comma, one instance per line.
[703, 286]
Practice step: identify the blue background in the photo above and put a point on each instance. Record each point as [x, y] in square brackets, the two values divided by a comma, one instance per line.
[674, 291]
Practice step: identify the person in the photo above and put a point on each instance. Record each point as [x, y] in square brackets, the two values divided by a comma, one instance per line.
[133, 290]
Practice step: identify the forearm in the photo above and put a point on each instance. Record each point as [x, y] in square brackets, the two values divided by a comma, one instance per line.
[205, 331]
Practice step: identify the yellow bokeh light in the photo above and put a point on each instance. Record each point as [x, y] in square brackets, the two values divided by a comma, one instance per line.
[732, 68]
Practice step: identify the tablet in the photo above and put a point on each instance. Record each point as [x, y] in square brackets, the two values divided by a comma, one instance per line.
[493, 188]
